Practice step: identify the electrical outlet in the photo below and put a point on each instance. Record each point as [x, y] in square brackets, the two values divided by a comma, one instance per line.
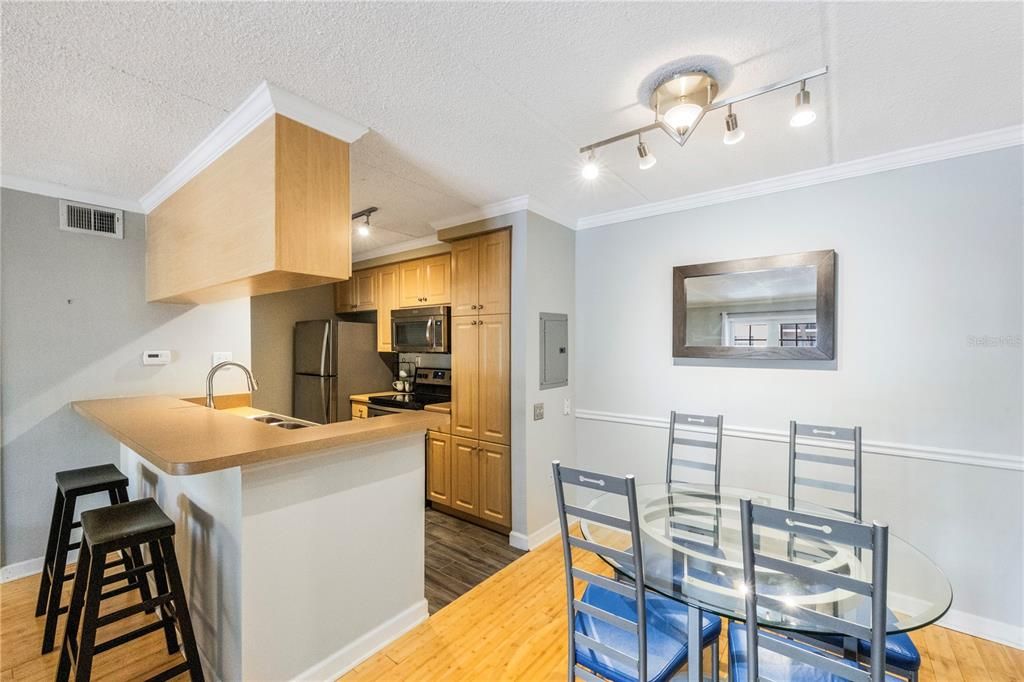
[219, 357]
[566, 406]
[419, 360]
[538, 411]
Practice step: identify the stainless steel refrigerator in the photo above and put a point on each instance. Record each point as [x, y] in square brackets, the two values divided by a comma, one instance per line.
[334, 359]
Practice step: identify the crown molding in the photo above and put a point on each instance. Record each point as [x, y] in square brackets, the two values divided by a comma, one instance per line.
[58, 191]
[989, 460]
[523, 202]
[913, 156]
[265, 101]
[398, 247]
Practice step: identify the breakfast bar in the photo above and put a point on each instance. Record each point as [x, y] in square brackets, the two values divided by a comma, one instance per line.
[301, 550]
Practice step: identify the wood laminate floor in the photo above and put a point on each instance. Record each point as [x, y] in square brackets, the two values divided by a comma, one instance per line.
[460, 556]
[510, 626]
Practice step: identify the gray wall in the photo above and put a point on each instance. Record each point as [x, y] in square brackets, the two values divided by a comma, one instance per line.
[75, 324]
[273, 318]
[928, 257]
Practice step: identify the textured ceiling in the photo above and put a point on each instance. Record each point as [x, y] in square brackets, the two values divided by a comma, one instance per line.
[472, 103]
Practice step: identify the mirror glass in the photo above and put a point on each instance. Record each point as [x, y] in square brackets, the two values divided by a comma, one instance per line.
[770, 308]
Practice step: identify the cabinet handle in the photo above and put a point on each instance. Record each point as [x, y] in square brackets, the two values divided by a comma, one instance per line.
[472, 307]
[481, 306]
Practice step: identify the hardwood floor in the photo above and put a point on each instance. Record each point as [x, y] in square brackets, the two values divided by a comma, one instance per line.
[460, 556]
[510, 626]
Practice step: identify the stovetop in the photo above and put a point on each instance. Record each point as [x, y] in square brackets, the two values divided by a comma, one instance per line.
[409, 401]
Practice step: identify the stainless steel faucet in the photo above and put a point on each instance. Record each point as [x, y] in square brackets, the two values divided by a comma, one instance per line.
[218, 367]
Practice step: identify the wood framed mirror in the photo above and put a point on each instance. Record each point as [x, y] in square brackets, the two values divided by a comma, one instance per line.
[768, 308]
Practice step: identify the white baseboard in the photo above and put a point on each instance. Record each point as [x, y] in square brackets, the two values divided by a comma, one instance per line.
[31, 567]
[354, 653]
[535, 539]
[985, 628]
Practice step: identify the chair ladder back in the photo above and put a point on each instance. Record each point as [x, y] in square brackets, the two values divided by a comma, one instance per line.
[853, 534]
[848, 464]
[692, 458]
[625, 487]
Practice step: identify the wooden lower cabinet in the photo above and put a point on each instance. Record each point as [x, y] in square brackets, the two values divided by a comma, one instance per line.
[439, 467]
[480, 478]
[465, 476]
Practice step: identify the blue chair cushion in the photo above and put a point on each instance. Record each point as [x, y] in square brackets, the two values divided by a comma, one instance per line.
[775, 666]
[666, 635]
[899, 650]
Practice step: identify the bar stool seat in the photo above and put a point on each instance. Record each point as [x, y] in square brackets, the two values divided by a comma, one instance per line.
[120, 528]
[126, 523]
[89, 480]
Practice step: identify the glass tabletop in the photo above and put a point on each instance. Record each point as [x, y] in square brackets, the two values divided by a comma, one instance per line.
[692, 553]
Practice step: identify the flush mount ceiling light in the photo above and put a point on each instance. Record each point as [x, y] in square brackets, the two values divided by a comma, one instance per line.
[364, 229]
[680, 103]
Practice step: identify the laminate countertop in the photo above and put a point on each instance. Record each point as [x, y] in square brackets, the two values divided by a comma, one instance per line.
[183, 438]
[443, 408]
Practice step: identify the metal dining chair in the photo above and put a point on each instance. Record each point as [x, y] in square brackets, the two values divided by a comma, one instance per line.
[617, 629]
[755, 654]
[708, 426]
[902, 657]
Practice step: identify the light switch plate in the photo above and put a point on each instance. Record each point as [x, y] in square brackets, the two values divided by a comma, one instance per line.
[538, 411]
[566, 406]
[219, 357]
[156, 357]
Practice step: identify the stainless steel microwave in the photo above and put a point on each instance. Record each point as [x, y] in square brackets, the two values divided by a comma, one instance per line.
[421, 330]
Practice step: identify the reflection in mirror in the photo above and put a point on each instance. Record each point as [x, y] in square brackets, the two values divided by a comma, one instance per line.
[768, 308]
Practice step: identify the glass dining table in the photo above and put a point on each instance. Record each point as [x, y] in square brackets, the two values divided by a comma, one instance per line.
[690, 536]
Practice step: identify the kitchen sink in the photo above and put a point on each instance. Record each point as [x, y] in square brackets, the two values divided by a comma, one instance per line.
[268, 419]
[289, 425]
[281, 421]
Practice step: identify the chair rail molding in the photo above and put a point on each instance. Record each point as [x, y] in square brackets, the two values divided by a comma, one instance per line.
[991, 460]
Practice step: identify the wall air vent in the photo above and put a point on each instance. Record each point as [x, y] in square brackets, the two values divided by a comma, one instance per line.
[78, 217]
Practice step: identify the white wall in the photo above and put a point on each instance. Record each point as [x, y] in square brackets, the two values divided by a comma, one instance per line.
[75, 323]
[928, 257]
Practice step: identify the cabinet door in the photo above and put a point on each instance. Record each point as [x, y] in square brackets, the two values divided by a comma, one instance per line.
[387, 300]
[360, 410]
[465, 379]
[465, 274]
[410, 284]
[365, 290]
[344, 296]
[439, 467]
[494, 421]
[495, 490]
[495, 273]
[465, 486]
[437, 280]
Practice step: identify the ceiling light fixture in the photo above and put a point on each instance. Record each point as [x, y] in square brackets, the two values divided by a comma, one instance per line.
[647, 159]
[364, 229]
[733, 132]
[803, 114]
[686, 98]
[590, 169]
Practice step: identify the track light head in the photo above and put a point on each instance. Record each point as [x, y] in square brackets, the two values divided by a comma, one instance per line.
[590, 169]
[733, 132]
[647, 159]
[803, 114]
[364, 229]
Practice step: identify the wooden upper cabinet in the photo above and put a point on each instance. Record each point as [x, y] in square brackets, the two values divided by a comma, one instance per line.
[465, 276]
[493, 349]
[387, 300]
[271, 213]
[425, 282]
[439, 467]
[345, 296]
[365, 290]
[481, 274]
[494, 497]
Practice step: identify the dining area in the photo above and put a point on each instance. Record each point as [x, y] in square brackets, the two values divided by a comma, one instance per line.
[800, 577]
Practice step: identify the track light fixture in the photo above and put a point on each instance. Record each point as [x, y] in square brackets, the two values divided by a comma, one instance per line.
[733, 132]
[363, 230]
[680, 103]
[647, 159]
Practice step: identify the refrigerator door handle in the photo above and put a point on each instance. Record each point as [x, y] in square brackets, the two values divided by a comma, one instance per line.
[323, 350]
[325, 400]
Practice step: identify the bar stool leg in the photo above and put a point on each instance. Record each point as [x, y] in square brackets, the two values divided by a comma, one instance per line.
[69, 647]
[91, 611]
[166, 611]
[51, 549]
[132, 556]
[60, 560]
[181, 610]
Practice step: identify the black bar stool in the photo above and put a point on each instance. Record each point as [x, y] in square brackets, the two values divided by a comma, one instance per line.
[118, 528]
[71, 485]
